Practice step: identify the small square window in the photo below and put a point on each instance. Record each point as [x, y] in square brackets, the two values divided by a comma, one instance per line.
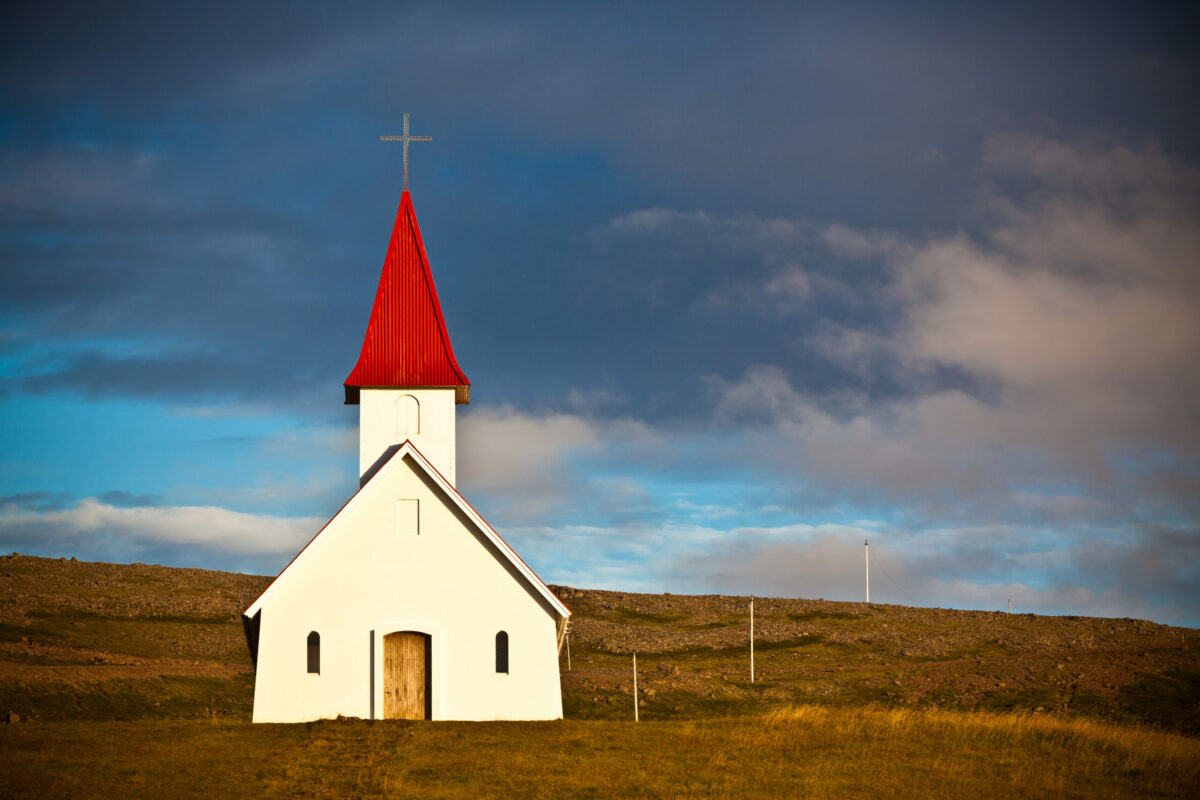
[408, 518]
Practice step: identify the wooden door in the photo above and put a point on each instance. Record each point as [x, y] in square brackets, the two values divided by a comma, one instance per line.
[406, 676]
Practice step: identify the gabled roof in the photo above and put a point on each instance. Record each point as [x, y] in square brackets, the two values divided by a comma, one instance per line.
[398, 454]
[406, 345]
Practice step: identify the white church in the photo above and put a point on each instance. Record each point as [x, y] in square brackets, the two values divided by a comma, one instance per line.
[407, 604]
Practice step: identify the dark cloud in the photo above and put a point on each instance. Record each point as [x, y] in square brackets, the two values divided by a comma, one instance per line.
[798, 245]
[120, 499]
[38, 501]
[211, 176]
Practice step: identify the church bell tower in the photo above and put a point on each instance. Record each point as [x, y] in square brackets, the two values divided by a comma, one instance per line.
[407, 382]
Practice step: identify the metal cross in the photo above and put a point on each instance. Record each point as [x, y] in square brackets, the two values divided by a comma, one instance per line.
[406, 139]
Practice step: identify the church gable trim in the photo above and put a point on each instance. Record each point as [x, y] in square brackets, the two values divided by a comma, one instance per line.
[407, 452]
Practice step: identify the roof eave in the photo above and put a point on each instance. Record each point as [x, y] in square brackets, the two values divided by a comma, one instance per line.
[462, 392]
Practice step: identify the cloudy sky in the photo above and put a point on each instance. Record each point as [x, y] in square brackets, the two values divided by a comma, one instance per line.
[737, 287]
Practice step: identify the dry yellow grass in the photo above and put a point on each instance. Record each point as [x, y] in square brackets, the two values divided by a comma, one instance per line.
[798, 751]
[1044, 754]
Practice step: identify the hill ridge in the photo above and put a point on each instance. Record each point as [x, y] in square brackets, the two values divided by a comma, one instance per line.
[71, 630]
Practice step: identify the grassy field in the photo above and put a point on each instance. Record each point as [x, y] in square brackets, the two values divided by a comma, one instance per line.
[802, 751]
[134, 681]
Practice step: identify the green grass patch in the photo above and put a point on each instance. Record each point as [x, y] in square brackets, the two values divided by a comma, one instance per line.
[1023, 699]
[13, 633]
[166, 697]
[984, 648]
[42, 661]
[145, 636]
[819, 616]
[632, 615]
[740, 651]
[594, 704]
[82, 615]
[1170, 700]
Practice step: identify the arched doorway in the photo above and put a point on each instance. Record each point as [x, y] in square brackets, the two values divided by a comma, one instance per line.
[407, 676]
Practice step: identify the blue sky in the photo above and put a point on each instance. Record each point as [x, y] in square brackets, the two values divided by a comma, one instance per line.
[736, 287]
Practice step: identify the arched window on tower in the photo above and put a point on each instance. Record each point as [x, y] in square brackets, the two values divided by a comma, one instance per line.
[408, 415]
[502, 652]
[314, 653]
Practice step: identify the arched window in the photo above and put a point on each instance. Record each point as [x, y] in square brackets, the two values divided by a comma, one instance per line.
[408, 415]
[314, 653]
[502, 652]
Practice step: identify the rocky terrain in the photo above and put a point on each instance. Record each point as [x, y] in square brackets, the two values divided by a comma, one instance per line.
[66, 622]
[695, 650]
[86, 640]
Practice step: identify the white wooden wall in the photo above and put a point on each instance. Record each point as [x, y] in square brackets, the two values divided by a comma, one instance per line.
[380, 427]
[364, 578]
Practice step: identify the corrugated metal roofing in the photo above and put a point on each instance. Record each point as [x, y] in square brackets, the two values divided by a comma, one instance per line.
[406, 345]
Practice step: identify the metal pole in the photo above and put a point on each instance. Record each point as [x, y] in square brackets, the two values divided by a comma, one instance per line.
[1010, 605]
[568, 652]
[752, 640]
[867, 565]
[635, 703]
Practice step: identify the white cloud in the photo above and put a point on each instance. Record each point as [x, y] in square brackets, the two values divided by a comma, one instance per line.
[853, 243]
[1071, 322]
[1079, 307]
[131, 531]
[507, 450]
[319, 486]
[647, 220]
[1036, 430]
[792, 283]
[1091, 571]
[969, 568]
[529, 467]
[771, 237]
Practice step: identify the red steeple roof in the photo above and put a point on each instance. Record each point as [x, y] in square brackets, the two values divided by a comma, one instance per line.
[406, 345]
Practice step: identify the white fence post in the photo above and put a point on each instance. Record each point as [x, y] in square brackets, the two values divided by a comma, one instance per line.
[635, 700]
[867, 567]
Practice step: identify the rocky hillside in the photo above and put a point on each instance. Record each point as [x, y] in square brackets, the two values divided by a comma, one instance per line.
[696, 651]
[84, 640]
